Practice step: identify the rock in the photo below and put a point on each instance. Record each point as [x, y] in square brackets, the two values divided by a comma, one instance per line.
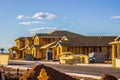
[108, 77]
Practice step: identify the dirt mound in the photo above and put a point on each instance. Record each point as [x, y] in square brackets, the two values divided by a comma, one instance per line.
[108, 77]
[10, 73]
[52, 73]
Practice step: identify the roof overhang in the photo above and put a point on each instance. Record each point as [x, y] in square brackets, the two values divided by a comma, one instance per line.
[114, 42]
[14, 48]
[48, 45]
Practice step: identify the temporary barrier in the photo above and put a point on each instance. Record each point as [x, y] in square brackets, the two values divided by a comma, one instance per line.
[96, 57]
[29, 57]
[4, 59]
[117, 63]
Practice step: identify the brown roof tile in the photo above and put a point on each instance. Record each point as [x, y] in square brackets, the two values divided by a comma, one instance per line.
[29, 38]
[88, 41]
[20, 38]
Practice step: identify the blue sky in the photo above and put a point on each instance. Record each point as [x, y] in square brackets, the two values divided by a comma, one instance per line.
[87, 17]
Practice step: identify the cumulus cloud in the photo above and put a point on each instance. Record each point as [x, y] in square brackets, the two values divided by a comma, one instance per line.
[36, 30]
[116, 17]
[22, 17]
[39, 16]
[31, 22]
[42, 15]
[25, 23]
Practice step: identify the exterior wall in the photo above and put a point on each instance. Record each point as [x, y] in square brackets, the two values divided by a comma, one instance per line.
[36, 40]
[59, 51]
[54, 52]
[44, 54]
[105, 51]
[116, 55]
[28, 51]
[79, 50]
[21, 52]
[20, 44]
[49, 40]
[57, 39]
[64, 49]
[28, 42]
[38, 53]
[34, 52]
[18, 54]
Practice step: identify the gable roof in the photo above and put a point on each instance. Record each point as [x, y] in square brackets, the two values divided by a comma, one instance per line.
[36, 46]
[29, 38]
[41, 35]
[20, 38]
[57, 34]
[117, 38]
[74, 39]
[88, 41]
[64, 33]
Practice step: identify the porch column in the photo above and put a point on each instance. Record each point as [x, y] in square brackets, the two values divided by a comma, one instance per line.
[113, 56]
[10, 54]
[118, 51]
[17, 54]
[23, 54]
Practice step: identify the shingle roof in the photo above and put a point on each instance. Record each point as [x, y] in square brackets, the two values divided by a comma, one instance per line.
[29, 38]
[58, 34]
[20, 38]
[77, 39]
[88, 41]
[48, 36]
[64, 33]
[36, 46]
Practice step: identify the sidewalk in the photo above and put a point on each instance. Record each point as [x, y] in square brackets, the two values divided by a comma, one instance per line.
[78, 64]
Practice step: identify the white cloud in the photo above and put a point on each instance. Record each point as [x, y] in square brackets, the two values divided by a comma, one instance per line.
[37, 22]
[36, 30]
[31, 22]
[116, 17]
[65, 17]
[38, 16]
[22, 17]
[25, 23]
[42, 15]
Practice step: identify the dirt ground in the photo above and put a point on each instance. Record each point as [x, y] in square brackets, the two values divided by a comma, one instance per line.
[32, 74]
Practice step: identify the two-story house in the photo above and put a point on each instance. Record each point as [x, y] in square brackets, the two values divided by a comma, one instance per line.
[61, 41]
